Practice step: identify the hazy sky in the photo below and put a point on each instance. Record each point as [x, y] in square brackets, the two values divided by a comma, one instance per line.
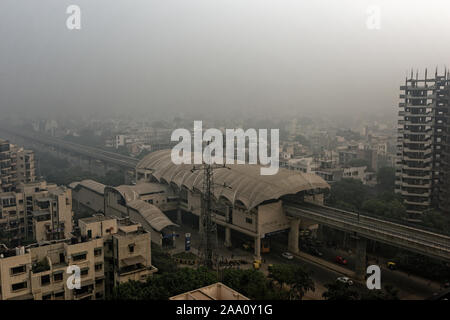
[227, 56]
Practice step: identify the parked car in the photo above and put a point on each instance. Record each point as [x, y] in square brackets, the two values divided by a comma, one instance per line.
[341, 260]
[287, 255]
[345, 280]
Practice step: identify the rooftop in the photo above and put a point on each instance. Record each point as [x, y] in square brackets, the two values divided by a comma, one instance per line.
[216, 291]
[244, 182]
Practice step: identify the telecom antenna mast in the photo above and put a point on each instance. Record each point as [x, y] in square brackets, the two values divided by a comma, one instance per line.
[208, 227]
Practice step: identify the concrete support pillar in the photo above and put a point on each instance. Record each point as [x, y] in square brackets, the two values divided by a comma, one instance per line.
[320, 233]
[293, 236]
[360, 258]
[257, 247]
[227, 242]
[179, 218]
[200, 224]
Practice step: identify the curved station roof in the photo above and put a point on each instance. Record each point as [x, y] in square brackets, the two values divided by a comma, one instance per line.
[243, 183]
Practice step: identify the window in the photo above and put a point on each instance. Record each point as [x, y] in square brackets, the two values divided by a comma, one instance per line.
[131, 248]
[97, 252]
[249, 220]
[18, 270]
[19, 286]
[45, 280]
[98, 266]
[47, 297]
[59, 294]
[79, 256]
[58, 277]
[84, 272]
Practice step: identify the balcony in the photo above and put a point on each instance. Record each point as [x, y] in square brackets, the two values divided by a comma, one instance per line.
[416, 176]
[418, 203]
[414, 194]
[406, 184]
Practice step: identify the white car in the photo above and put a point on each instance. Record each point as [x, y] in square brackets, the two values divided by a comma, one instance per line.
[345, 280]
[287, 255]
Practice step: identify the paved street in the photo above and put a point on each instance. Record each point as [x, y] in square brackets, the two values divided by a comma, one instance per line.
[410, 287]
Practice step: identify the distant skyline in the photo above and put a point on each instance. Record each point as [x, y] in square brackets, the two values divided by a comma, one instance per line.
[262, 57]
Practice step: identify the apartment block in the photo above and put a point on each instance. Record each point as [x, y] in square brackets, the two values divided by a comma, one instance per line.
[16, 166]
[107, 251]
[40, 271]
[128, 254]
[36, 212]
[421, 174]
[127, 248]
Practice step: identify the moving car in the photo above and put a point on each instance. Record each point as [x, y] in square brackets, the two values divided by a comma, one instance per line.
[287, 255]
[341, 260]
[345, 280]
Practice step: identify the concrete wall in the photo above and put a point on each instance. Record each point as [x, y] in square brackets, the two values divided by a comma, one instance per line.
[271, 218]
[88, 198]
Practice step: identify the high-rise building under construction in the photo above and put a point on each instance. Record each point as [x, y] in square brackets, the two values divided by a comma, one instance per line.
[422, 166]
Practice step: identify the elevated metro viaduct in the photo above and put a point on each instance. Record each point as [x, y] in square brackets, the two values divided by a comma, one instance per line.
[257, 206]
[247, 203]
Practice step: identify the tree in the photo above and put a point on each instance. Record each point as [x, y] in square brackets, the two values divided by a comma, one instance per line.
[388, 293]
[251, 283]
[301, 283]
[162, 260]
[163, 286]
[281, 273]
[386, 178]
[385, 208]
[339, 291]
[295, 277]
[348, 194]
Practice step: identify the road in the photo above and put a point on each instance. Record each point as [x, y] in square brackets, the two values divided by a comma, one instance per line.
[410, 287]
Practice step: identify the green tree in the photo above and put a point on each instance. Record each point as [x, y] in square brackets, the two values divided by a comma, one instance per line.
[251, 283]
[162, 260]
[339, 291]
[301, 283]
[348, 194]
[388, 293]
[386, 178]
[297, 279]
[163, 286]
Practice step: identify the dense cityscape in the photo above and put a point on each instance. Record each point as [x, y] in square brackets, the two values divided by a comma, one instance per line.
[94, 207]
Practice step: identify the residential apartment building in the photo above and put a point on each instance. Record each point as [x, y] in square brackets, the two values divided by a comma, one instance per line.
[421, 170]
[36, 212]
[16, 166]
[108, 251]
[39, 272]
